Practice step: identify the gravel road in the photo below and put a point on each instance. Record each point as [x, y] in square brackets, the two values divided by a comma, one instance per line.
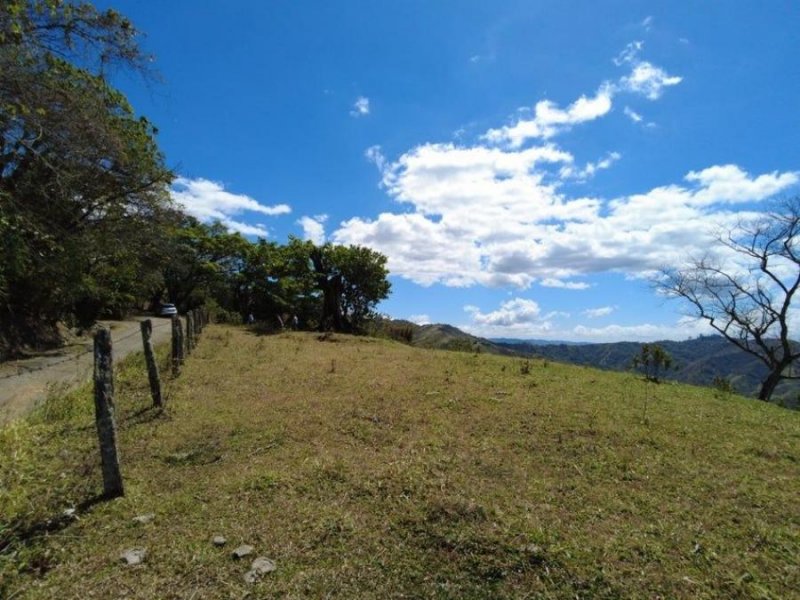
[25, 383]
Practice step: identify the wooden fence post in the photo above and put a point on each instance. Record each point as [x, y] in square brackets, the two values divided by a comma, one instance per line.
[177, 345]
[104, 414]
[150, 359]
[189, 333]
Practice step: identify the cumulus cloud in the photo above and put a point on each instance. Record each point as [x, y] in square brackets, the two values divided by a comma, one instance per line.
[731, 184]
[496, 212]
[492, 217]
[209, 201]
[360, 107]
[511, 312]
[313, 228]
[505, 322]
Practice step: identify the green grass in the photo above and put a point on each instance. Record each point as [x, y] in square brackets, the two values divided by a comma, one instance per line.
[369, 469]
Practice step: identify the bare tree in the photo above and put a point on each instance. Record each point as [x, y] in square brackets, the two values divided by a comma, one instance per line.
[748, 297]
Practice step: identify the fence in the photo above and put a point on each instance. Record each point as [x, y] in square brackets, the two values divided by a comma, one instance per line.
[103, 378]
[105, 420]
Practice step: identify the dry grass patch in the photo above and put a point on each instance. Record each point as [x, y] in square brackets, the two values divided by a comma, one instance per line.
[370, 469]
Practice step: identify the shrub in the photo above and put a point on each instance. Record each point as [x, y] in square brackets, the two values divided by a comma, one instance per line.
[651, 361]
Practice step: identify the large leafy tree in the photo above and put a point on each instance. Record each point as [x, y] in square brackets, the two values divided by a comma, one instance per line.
[83, 187]
[749, 297]
[352, 280]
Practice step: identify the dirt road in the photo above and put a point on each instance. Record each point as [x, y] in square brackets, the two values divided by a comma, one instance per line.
[24, 383]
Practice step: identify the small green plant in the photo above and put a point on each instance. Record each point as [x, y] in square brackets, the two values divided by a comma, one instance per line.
[652, 361]
[525, 367]
[723, 387]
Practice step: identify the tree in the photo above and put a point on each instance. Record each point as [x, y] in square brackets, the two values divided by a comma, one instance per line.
[344, 282]
[651, 361]
[83, 187]
[746, 292]
[352, 280]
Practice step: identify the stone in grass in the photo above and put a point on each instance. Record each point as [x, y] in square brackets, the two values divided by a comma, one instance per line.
[242, 551]
[219, 540]
[261, 566]
[142, 519]
[134, 556]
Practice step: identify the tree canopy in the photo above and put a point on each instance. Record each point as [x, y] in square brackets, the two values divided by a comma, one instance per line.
[87, 225]
[82, 181]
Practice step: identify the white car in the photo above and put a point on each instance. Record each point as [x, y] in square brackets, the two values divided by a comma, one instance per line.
[167, 310]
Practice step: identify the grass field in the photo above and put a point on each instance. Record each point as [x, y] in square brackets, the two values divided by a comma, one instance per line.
[369, 469]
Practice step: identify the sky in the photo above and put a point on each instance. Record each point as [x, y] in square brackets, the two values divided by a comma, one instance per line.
[526, 166]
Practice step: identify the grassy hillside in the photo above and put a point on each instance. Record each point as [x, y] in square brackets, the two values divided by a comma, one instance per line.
[697, 361]
[369, 469]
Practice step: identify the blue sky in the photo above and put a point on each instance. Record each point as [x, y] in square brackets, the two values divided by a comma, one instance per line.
[525, 166]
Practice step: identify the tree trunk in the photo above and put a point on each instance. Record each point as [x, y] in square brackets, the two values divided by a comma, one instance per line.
[770, 383]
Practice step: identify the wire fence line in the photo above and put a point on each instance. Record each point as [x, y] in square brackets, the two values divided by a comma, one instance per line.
[23, 370]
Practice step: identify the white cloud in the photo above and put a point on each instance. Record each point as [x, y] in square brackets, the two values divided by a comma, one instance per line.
[684, 328]
[550, 120]
[603, 311]
[515, 320]
[313, 228]
[420, 319]
[629, 54]
[648, 80]
[360, 107]
[633, 115]
[565, 285]
[511, 312]
[728, 183]
[590, 169]
[491, 217]
[647, 23]
[497, 213]
[209, 201]
[374, 154]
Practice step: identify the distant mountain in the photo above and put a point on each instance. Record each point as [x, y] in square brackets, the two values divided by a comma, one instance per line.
[441, 336]
[698, 361]
[535, 342]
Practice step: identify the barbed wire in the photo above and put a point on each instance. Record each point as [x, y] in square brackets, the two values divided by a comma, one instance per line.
[23, 370]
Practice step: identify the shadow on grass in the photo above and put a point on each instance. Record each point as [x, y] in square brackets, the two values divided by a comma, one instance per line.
[146, 414]
[264, 329]
[24, 534]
